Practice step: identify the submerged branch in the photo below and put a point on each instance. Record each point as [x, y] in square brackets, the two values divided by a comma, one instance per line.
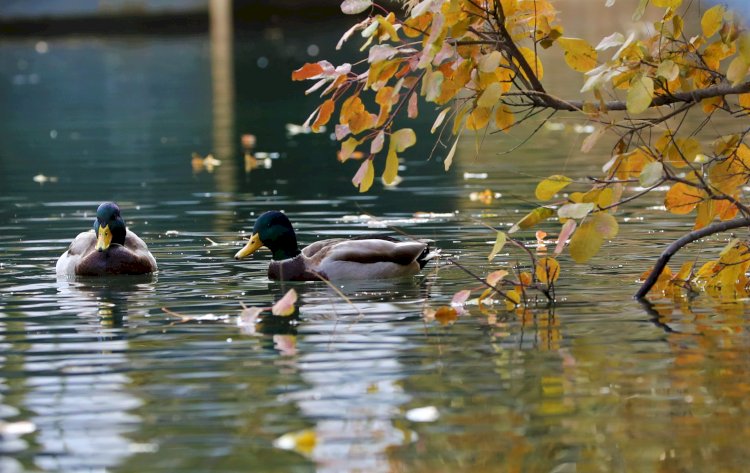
[673, 248]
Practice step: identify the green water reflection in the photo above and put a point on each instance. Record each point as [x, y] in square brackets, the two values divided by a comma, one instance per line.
[112, 382]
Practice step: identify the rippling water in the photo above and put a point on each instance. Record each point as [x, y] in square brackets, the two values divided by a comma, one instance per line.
[96, 375]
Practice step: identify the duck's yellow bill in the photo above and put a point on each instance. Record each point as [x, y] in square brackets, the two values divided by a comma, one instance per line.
[104, 238]
[251, 247]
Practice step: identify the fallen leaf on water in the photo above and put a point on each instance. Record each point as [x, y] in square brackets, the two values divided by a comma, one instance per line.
[302, 441]
[285, 305]
[41, 179]
[423, 414]
[248, 318]
[446, 315]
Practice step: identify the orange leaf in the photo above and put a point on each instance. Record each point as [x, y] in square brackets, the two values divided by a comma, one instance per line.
[307, 71]
[682, 198]
[326, 109]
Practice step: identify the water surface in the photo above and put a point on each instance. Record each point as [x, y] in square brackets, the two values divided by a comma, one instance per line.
[110, 381]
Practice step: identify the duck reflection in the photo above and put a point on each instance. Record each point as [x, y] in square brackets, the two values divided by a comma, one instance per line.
[349, 349]
[81, 402]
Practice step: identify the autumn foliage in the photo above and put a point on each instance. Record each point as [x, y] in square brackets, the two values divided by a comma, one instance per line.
[477, 62]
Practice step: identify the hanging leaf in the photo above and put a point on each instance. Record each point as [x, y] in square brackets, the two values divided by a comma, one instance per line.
[537, 215]
[640, 95]
[606, 224]
[402, 139]
[547, 189]
[499, 244]
[376, 145]
[390, 173]
[585, 243]
[285, 305]
[308, 71]
[577, 211]
[326, 109]
[449, 159]
[547, 270]
[353, 7]
[478, 118]
[460, 297]
[364, 176]
[682, 198]
[490, 96]
[512, 299]
[652, 173]
[579, 54]
[504, 117]
[737, 70]
[567, 229]
[496, 276]
[439, 119]
[712, 20]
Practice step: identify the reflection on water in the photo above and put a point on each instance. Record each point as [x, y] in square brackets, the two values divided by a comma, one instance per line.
[112, 381]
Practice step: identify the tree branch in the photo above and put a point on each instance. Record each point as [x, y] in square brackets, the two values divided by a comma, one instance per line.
[544, 99]
[661, 263]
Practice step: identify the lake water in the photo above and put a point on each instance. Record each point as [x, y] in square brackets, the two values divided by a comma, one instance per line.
[95, 375]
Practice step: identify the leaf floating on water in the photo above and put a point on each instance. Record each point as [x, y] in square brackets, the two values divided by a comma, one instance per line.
[16, 429]
[247, 319]
[285, 306]
[248, 141]
[41, 179]
[302, 441]
[499, 244]
[423, 414]
[446, 315]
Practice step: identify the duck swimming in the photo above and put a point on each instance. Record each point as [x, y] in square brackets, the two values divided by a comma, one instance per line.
[367, 257]
[108, 249]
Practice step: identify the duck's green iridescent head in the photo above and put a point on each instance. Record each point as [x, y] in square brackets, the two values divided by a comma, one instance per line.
[109, 226]
[274, 231]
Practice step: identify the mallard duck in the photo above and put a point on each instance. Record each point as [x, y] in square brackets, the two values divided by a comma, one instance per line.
[107, 249]
[367, 257]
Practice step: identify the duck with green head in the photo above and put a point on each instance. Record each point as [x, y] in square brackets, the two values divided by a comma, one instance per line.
[109, 249]
[367, 257]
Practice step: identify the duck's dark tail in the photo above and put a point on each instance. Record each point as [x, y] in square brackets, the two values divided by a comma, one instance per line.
[426, 255]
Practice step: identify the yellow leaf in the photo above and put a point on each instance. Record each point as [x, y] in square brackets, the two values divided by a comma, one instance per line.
[303, 441]
[490, 96]
[504, 117]
[391, 167]
[743, 45]
[606, 224]
[640, 94]
[585, 243]
[347, 149]
[533, 61]
[685, 271]
[712, 20]
[537, 215]
[737, 70]
[499, 243]
[364, 176]
[579, 54]
[744, 100]
[547, 189]
[547, 270]
[478, 119]
[446, 315]
[402, 139]
[682, 198]
[512, 299]
[667, 3]
[706, 213]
